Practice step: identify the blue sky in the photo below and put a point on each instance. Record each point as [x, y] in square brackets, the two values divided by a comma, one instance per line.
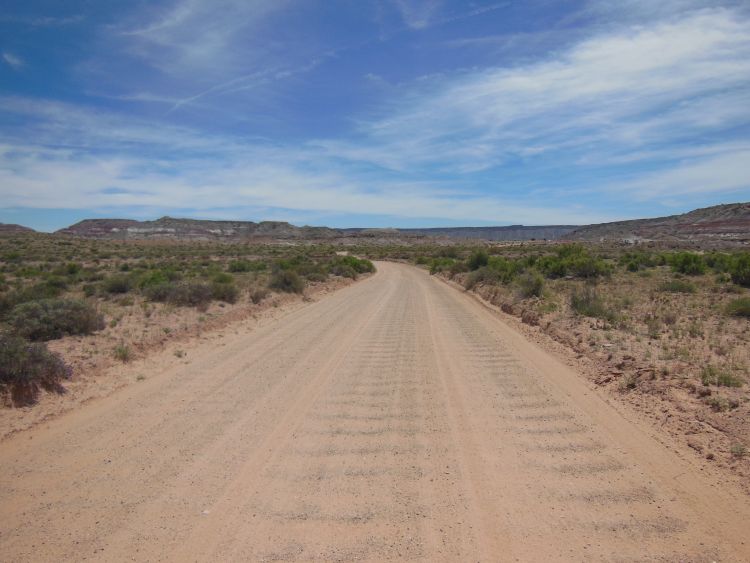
[372, 113]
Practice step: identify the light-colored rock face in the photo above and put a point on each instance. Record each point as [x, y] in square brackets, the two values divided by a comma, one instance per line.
[727, 223]
[170, 228]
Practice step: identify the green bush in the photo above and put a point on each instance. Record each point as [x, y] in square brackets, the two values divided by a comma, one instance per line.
[25, 368]
[711, 375]
[740, 269]
[72, 268]
[739, 307]
[226, 292]
[531, 284]
[677, 286]
[48, 319]
[350, 266]
[688, 263]
[478, 259]
[440, 264]
[157, 277]
[287, 281]
[238, 266]
[117, 284]
[635, 261]
[484, 275]
[223, 278]
[458, 268]
[184, 294]
[573, 260]
[35, 292]
[719, 262]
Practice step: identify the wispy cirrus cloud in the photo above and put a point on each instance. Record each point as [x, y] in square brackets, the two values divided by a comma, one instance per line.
[727, 172]
[14, 61]
[418, 14]
[101, 161]
[198, 35]
[640, 112]
[629, 90]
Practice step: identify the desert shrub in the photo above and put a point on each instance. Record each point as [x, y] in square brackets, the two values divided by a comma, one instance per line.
[25, 368]
[440, 264]
[350, 266]
[158, 292]
[531, 284]
[478, 259]
[287, 281]
[719, 262]
[718, 404]
[258, 295]
[123, 353]
[573, 260]
[635, 261]
[458, 268]
[688, 263]
[35, 292]
[448, 252]
[72, 268]
[587, 267]
[48, 319]
[343, 270]
[740, 269]
[588, 302]
[157, 277]
[506, 269]
[226, 292]
[711, 375]
[12, 256]
[482, 275]
[238, 266]
[223, 278]
[185, 294]
[739, 307]
[56, 283]
[677, 286]
[117, 284]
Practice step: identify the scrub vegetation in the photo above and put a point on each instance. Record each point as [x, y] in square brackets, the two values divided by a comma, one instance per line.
[667, 329]
[54, 288]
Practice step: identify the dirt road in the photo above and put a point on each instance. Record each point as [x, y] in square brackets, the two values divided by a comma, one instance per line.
[395, 419]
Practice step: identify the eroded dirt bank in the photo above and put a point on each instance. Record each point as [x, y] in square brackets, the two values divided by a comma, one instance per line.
[395, 419]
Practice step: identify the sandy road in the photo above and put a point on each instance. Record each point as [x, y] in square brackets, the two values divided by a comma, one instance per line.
[395, 419]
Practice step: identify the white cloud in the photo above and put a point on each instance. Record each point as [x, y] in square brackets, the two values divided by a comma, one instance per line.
[51, 178]
[12, 60]
[643, 94]
[628, 87]
[200, 36]
[418, 14]
[723, 173]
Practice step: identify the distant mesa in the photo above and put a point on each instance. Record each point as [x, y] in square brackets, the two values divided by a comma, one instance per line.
[729, 224]
[193, 229]
[726, 225]
[9, 228]
[505, 233]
